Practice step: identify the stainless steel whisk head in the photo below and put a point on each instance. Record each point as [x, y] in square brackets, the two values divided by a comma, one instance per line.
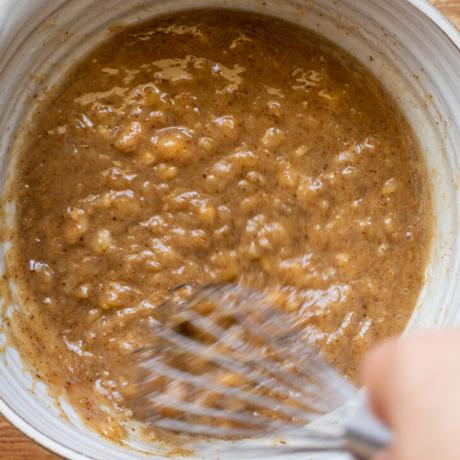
[230, 363]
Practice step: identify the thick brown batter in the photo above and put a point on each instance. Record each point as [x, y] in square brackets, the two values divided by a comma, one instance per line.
[212, 147]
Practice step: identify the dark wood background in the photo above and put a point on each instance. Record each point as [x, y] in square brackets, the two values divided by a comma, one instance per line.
[15, 446]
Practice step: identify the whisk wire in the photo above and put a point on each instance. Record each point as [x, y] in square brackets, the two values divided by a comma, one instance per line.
[286, 343]
[203, 384]
[251, 368]
[229, 363]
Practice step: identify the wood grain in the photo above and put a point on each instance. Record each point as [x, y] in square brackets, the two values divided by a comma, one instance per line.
[451, 8]
[16, 446]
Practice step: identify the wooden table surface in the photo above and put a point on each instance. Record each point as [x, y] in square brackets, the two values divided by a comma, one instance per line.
[16, 446]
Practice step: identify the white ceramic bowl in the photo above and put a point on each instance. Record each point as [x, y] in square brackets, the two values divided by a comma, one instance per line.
[415, 54]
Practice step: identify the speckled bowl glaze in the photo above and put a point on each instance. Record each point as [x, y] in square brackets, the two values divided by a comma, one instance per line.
[407, 44]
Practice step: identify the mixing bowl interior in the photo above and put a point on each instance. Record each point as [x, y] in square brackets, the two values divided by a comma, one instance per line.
[400, 41]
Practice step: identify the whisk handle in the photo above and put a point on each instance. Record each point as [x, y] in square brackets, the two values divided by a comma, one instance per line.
[366, 435]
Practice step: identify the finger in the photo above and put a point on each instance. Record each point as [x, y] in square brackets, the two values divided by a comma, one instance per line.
[377, 371]
[387, 454]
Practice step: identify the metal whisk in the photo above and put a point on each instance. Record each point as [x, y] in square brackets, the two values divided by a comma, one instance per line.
[229, 363]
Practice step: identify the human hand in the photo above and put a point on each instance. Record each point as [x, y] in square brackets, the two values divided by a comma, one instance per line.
[414, 387]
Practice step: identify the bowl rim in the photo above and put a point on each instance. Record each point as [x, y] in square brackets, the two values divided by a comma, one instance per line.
[443, 24]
